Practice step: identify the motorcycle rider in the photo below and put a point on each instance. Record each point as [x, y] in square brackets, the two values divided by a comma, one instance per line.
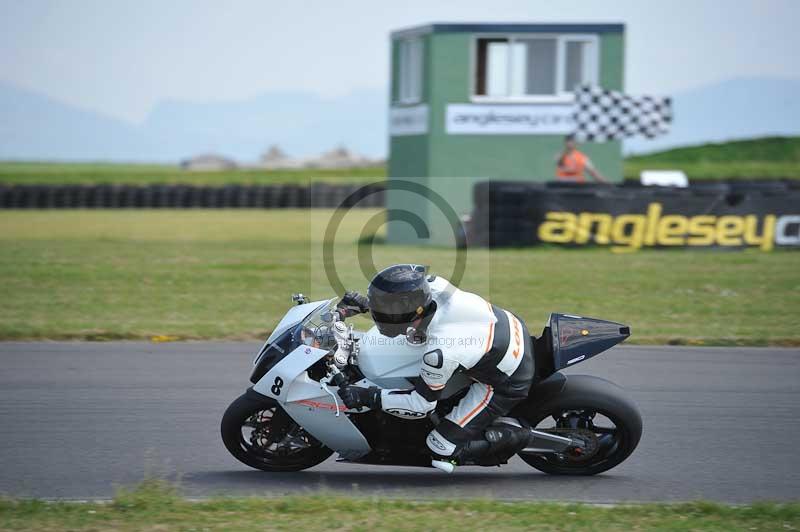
[455, 331]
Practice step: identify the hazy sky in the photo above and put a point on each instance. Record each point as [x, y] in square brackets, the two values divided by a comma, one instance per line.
[121, 58]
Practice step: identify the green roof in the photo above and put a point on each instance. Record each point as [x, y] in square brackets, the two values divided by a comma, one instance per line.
[496, 27]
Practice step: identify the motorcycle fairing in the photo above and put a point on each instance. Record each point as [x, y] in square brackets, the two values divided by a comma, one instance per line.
[394, 363]
[576, 338]
[309, 405]
[383, 360]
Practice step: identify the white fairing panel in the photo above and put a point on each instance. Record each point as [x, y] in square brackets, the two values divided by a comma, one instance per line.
[336, 432]
[384, 360]
[309, 404]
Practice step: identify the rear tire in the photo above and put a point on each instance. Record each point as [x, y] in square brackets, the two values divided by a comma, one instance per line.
[243, 412]
[586, 394]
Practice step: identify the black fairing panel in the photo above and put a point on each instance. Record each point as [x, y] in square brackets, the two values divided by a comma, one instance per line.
[272, 354]
[575, 338]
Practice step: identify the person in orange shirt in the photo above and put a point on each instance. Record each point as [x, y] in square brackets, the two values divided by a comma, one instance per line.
[572, 164]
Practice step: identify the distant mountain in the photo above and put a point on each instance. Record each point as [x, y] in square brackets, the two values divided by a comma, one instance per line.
[302, 124]
[35, 127]
[734, 109]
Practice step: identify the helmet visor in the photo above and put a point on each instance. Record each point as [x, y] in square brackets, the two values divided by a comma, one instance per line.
[392, 325]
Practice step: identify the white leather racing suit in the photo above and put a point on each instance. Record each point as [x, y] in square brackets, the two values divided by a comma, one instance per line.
[489, 345]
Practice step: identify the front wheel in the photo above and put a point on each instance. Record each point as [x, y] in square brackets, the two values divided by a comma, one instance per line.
[264, 437]
[593, 411]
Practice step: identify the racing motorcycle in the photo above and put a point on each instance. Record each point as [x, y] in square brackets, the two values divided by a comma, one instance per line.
[292, 419]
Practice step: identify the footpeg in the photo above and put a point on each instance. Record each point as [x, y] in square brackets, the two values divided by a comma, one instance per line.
[441, 465]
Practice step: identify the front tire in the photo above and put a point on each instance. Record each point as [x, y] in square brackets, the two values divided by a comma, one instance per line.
[261, 435]
[584, 409]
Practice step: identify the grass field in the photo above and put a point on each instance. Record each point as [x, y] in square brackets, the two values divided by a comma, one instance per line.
[192, 274]
[766, 158]
[144, 174]
[714, 171]
[154, 506]
[778, 149]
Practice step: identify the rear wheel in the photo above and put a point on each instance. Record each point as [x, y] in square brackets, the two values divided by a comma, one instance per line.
[595, 412]
[263, 436]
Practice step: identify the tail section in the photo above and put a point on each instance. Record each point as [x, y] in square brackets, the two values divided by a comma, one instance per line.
[569, 339]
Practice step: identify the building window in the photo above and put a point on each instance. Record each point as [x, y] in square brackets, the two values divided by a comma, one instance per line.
[540, 68]
[410, 84]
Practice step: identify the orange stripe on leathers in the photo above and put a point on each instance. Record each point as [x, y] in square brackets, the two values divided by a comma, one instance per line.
[482, 404]
[491, 331]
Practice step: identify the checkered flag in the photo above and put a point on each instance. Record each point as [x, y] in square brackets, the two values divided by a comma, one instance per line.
[602, 115]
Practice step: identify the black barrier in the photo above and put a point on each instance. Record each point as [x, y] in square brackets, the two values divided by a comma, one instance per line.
[188, 196]
[763, 215]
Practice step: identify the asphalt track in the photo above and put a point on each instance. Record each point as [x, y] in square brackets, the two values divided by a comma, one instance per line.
[78, 420]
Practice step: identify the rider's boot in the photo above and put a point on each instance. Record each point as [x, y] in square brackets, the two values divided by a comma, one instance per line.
[499, 443]
[503, 441]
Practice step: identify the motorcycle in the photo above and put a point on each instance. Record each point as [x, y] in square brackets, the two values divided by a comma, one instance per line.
[292, 419]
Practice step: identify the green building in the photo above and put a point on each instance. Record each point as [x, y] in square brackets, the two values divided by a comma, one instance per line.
[471, 102]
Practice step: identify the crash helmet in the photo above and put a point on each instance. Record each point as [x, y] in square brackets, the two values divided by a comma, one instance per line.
[398, 296]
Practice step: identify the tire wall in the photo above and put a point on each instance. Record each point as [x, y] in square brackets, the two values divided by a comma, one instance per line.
[188, 197]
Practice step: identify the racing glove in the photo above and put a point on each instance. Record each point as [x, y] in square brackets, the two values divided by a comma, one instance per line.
[352, 303]
[355, 397]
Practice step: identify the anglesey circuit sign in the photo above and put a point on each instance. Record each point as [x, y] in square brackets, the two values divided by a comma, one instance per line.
[632, 218]
[469, 119]
[475, 119]
[627, 232]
